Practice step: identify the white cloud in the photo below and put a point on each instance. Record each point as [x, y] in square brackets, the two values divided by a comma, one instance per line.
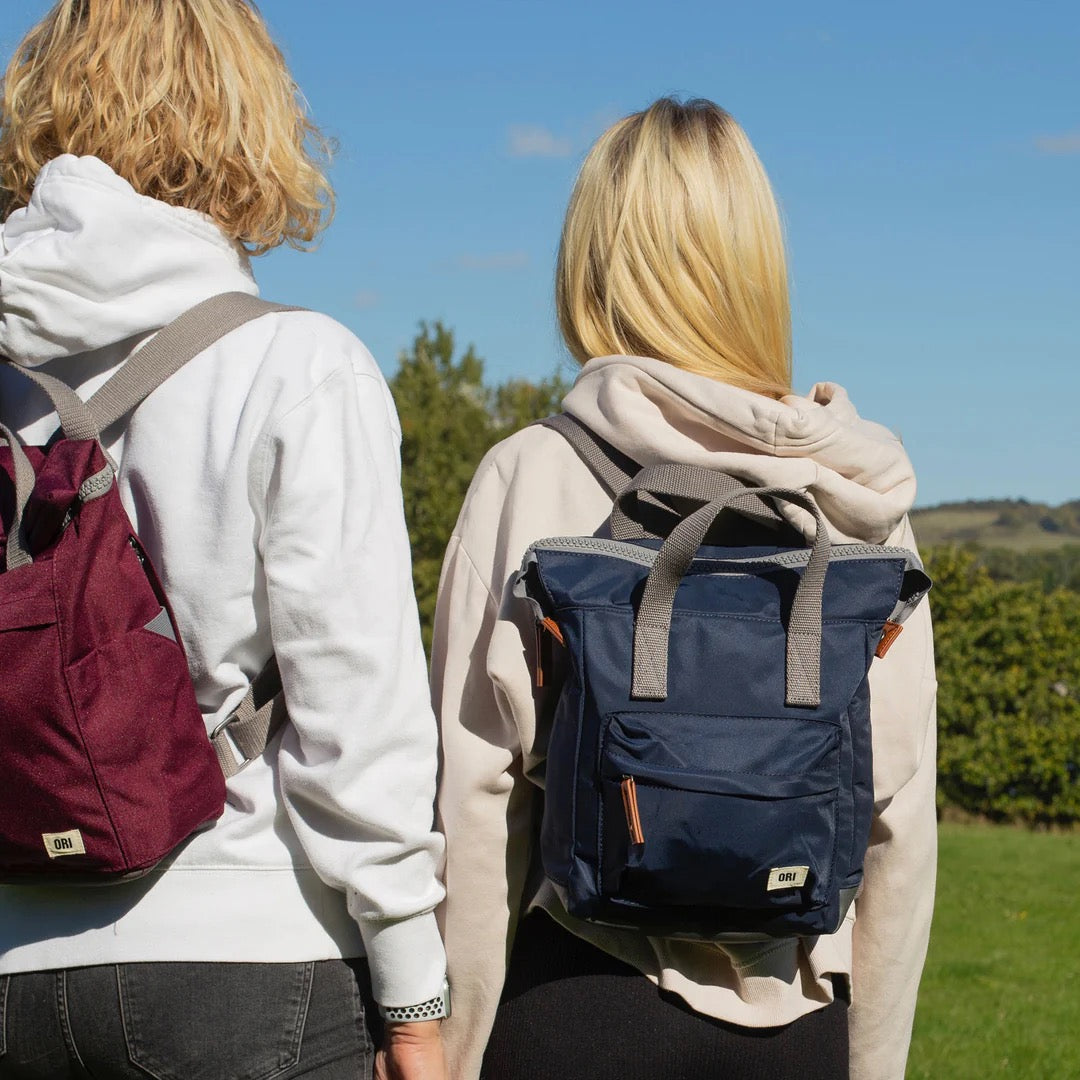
[498, 260]
[1069, 143]
[531, 140]
[365, 300]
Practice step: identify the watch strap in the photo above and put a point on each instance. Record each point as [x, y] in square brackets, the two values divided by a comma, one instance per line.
[435, 1008]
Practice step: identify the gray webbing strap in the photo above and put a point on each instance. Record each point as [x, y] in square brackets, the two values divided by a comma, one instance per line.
[626, 480]
[611, 467]
[170, 349]
[692, 482]
[183, 339]
[253, 723]
[16, 553]
[76, 419]
[262, 712]
[652, 622]
[76, 422]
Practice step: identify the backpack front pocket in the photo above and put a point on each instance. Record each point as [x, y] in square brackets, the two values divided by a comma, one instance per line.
[718, 811]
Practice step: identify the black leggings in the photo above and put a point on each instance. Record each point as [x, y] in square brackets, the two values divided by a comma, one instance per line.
[569, 1010]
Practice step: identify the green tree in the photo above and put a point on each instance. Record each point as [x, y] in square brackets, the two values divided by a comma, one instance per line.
[517, 403]
[449, 419]
[1053, 568]
[1009, 693]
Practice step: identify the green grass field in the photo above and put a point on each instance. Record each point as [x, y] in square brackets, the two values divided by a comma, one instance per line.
[1001, 991]
[997, 524]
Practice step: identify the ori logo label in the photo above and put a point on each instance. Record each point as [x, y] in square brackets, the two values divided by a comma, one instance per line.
[787, 877]
[64, 843]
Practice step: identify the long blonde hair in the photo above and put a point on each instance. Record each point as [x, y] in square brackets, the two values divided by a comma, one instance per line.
[189, 101]
[672, 248]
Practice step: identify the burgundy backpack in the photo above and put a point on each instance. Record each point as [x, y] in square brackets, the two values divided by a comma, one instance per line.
[106, 759]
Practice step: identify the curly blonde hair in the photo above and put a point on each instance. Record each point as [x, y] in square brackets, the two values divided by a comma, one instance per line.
[672, 248]
[190, 101]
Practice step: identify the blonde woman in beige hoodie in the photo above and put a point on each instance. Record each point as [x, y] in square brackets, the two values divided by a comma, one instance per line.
[672, 294]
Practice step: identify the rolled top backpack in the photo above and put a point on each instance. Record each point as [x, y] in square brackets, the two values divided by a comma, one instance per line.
[710, 771]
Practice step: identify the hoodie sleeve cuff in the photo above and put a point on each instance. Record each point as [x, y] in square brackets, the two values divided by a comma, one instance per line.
[406, 958]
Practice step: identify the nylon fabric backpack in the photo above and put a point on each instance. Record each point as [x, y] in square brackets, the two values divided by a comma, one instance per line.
[106, 759]
[709, 773]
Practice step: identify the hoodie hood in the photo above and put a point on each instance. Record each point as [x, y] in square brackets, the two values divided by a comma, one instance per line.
[857, 471]
[89, 263]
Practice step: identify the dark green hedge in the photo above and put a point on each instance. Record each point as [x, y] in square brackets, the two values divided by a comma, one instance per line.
[1008, 656]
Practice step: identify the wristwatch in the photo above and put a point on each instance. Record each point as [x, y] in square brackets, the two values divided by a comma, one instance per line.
[436, 1008]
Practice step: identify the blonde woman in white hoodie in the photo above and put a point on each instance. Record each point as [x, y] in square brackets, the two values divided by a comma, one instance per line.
[672, 294]
[146, 149]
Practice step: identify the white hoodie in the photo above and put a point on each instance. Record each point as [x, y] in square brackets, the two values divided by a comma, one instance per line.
[263, 479]
[534, 485]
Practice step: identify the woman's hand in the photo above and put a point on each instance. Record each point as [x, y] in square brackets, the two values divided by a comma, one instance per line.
[411, 1052]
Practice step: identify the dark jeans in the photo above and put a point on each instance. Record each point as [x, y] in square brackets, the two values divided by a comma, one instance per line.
[181, 1021]
[571, 1011]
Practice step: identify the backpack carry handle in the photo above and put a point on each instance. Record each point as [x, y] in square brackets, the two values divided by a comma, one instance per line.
[76, 422]
[652, 622]
[17, 554]
[75, 416]
[628, 482]
[691, 482]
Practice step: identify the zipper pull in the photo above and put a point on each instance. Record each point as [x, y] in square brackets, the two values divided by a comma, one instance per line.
[540, 646]
[890, 632]
[543, 646]
[630, 806]
[134, 544]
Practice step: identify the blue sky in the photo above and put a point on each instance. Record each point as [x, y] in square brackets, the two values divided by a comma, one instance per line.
[926, 158]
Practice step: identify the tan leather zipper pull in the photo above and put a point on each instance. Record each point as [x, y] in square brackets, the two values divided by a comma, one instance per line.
[633, 818]
[889, 634]
[543, 646]
[540, 646]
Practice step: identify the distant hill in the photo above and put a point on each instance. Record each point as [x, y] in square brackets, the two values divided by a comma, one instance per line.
[1014, 524]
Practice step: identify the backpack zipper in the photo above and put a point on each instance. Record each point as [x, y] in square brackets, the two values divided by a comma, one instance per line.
[147, 569]
[643, 556]
[889, 633]
[630, 807]
[543, 646]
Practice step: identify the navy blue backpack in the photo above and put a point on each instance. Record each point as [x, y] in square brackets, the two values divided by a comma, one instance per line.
[709, 773]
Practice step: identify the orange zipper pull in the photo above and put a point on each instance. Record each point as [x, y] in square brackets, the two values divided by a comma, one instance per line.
[543, 646]
[630, 806]
[540, 656]
[889, 634]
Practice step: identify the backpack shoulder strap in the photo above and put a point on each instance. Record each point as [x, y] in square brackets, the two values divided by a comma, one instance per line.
[652, 488]
[253, 723]
[171, 348]
[258, 717]
[143, 372]
[612, 467]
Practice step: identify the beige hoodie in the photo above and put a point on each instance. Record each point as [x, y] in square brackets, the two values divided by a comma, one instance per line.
[533, 485]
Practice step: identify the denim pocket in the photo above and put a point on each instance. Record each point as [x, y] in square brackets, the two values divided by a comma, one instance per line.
[336, 1032]
[192, 1021]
